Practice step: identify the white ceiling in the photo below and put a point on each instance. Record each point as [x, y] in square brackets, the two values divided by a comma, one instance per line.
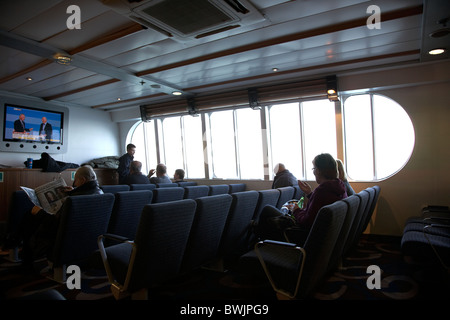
[115, 57]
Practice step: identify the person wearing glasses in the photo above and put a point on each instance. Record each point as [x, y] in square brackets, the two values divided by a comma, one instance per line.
[273, 222]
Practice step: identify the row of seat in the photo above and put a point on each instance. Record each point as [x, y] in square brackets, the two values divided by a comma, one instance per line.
[295, 269]
[162, 192]
[192, 189]
[123, 215]
[426, 238]
[176, 237]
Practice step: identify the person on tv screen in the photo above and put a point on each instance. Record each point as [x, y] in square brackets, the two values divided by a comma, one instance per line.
[19, 125]
[46, 130]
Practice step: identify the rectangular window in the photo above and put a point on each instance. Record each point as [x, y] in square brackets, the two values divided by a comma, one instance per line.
[319, 131]
[193, 146]
[223, 147]
[173, 148]
[358, 137]
[285, 138]
[249, 139]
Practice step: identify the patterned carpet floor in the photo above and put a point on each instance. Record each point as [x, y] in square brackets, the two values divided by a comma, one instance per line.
[401, 280]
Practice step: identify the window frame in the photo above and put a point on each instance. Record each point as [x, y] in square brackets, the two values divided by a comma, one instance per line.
[266, 126]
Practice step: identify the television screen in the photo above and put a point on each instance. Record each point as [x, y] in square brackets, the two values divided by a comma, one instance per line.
[28, 124]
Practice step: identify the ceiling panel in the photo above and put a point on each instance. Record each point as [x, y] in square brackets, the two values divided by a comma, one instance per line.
[114, 56]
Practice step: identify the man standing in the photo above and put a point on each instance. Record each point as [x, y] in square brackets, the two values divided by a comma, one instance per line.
[46, 130]
[19, 125]
[124, 163]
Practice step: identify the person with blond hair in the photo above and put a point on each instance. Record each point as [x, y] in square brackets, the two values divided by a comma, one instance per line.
[344, 178]
[273, 223]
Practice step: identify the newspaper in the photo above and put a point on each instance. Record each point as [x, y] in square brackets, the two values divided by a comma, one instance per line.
[49, 196]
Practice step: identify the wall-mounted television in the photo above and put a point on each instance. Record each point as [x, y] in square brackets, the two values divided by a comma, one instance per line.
[33, 128]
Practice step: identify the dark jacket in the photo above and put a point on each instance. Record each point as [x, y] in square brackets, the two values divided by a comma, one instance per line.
[48, 164]
[136, 178]
[284, 179]
[326, 193]
[124, 167]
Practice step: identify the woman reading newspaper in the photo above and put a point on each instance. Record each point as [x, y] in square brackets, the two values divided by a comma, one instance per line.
[40, 227]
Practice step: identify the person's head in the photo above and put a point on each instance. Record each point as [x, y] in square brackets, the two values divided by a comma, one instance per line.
[44, 119]
[325, 167]
[83, 175]
[22, 117]
[341, 170]
[179, 174]
[279, 167]
[161, 169]
[135, 166]
[131, 149]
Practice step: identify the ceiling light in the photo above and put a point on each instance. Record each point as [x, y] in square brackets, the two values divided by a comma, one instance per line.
[118, 99]
[177, 93]
[331, 91]
[436, 51]
[62, 59]
[29, 78]
[275, 69]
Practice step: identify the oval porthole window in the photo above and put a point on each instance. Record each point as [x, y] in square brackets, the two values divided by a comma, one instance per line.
[379, 137]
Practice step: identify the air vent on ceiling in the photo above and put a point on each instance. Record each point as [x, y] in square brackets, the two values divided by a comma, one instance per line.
[188, 19]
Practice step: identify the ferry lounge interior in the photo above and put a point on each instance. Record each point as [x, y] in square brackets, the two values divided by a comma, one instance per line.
[111, 66]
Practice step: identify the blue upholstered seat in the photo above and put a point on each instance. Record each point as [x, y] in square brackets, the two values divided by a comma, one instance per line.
[156, 253]
[126, 213]
[142, 186]
[207, 229]
[286, 194]
[235, 239]
[167, 194]
[295, 271]
[113, 188]
[83, 218]
[194, 192]
[218, 189]
[167, 185]
[236, 187]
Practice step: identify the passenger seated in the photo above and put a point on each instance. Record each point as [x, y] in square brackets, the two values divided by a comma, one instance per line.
[273, 222]
[283, 178]
[38, 229]
[161, 174]
[343, 177]
[178, 176]
[136, 176]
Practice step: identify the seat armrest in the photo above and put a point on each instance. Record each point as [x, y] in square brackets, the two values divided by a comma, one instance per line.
[279, 243]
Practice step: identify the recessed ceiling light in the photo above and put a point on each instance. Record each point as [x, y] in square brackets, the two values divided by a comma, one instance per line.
[29, 78]
[275, 69]
[118, 99]
[436, 51]
[177, 93]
